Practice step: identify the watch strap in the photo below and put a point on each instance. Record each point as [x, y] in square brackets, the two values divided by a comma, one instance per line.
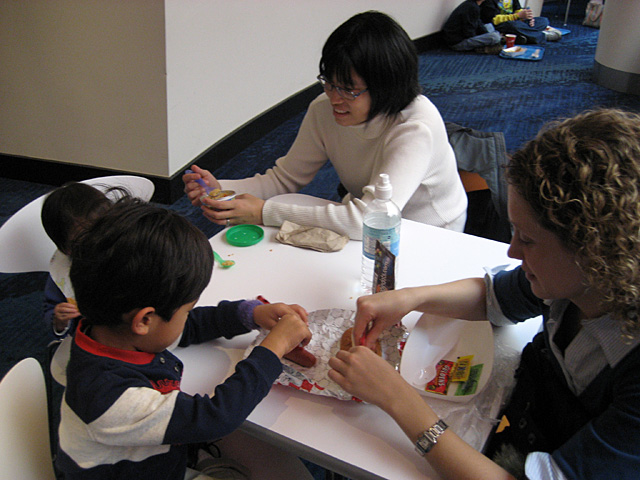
[429, 437]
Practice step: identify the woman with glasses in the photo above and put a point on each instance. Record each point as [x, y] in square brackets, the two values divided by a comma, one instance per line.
[371, 119]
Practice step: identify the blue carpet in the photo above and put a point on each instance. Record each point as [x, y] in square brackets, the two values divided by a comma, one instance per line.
[491, 93]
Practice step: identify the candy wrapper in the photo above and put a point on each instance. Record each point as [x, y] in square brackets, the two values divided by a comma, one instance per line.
[327, 326]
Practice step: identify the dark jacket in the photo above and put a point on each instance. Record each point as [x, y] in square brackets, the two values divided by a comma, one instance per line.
[464, 22]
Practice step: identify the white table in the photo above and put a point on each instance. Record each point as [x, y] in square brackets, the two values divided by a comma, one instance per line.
[356, 440]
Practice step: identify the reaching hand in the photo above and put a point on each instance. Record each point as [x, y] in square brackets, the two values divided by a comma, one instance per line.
[378, 312]
[193, 190]
[267, 316]
[366, 375]
[289, 332]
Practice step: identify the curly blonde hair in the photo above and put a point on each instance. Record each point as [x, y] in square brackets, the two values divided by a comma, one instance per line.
[581, 176]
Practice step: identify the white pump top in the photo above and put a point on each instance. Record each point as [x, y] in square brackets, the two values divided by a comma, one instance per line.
[384, 190]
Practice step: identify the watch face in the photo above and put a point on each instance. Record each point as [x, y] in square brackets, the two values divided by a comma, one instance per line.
[430, 437]
[423, 445]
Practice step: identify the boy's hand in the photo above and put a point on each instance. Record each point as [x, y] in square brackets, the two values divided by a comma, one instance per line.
[266, 316]
[287, 334]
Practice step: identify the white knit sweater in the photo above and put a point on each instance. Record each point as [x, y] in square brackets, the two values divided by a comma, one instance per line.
[412, 148]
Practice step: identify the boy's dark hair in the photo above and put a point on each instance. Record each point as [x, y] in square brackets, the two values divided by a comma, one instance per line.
[138, 255]
[70, 209]
[378, 49]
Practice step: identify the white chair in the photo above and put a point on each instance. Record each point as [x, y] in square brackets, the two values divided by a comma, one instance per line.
[25, 245]
[25, 451]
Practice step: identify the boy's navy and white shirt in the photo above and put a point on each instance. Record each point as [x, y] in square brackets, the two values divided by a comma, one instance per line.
[123, 414]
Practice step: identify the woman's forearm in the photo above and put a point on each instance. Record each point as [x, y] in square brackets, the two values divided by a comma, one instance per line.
[465, 299]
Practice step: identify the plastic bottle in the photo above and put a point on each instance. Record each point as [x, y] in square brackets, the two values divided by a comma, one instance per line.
[381, 222]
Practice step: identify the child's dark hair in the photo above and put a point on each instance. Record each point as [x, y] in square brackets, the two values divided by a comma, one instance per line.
[70, 209]
[378, 49]
[138, 255]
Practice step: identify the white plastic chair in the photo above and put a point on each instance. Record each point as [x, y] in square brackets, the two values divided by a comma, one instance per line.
[25, 451]
[25, 245]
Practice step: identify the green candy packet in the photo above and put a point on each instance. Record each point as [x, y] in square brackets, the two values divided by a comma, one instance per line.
[471, 385]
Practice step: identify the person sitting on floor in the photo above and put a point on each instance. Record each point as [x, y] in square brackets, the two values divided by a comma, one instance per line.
[508, 16]
[464, 31]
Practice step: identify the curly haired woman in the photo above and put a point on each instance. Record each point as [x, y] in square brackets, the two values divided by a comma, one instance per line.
[574, 202]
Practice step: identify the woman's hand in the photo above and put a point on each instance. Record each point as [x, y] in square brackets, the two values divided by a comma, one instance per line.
[376, 313]
[242, 209]
[267, 316]
[367, 376]
[193, 190]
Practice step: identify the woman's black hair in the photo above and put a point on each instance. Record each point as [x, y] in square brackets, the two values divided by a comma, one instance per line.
[69, 209]
[138, 255]
[377, 48]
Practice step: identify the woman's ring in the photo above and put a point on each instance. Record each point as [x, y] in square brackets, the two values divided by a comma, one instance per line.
[228, 222]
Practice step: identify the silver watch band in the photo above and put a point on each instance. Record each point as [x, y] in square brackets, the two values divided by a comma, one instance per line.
[429, 437]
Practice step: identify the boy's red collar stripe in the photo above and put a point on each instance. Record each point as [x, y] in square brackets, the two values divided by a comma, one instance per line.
[91, 346]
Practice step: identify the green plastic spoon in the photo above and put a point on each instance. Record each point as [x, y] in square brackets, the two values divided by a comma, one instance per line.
[223, 263]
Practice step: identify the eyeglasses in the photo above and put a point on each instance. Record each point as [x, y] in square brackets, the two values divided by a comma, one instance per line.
[346, 94]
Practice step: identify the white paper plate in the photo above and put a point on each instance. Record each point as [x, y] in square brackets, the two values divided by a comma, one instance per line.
[473, 338]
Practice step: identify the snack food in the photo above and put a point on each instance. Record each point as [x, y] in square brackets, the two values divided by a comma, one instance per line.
[302, 357]
[440, 383]
[217, 194]
[346, 342]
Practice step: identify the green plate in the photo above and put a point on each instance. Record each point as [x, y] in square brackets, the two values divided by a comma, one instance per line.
[244, 235]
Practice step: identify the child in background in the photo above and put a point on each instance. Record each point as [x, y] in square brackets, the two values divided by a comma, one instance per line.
[138, 272]
[65, 212]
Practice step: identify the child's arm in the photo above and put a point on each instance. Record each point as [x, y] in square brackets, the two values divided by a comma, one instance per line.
[58, 312]
[223, 320]
[290, 331]
[268, 315]
[229, 319]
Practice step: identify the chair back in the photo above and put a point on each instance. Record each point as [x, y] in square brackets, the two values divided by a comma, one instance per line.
[25, 450]
[25, 245]
[481, 157]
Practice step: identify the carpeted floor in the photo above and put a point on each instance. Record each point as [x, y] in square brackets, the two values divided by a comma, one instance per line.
[481, 91]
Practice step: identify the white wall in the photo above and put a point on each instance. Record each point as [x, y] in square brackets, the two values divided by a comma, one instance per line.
[145, 86]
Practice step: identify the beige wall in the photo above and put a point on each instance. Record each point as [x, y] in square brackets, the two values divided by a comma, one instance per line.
[84, 82]
[619, 39]
[145, 86]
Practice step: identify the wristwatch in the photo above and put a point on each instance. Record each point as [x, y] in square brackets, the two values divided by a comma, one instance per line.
[429, 437]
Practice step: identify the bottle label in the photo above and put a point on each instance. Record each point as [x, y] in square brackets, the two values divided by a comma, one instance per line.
[389, 237]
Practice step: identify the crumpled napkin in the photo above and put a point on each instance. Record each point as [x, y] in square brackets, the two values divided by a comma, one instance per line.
[315, 238]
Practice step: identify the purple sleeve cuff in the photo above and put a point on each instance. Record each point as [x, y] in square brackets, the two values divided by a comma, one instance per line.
[245, 314]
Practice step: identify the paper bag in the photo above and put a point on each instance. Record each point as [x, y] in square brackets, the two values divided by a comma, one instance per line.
[314, 238]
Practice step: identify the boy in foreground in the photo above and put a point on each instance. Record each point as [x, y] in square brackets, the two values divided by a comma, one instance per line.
[137, 274]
